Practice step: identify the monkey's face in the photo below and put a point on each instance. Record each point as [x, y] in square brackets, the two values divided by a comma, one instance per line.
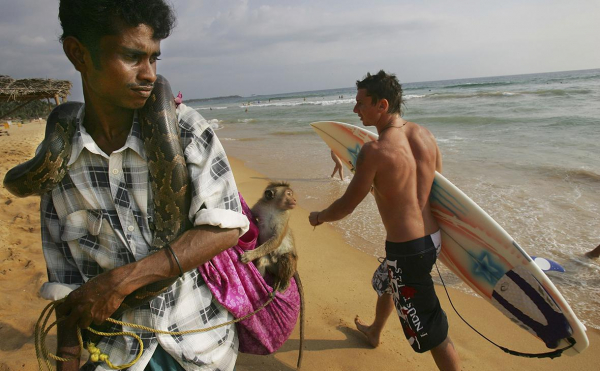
[287, 201]
[280, 195]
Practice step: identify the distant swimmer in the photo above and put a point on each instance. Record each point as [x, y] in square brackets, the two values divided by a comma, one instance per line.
[338, 166]
[594, 253]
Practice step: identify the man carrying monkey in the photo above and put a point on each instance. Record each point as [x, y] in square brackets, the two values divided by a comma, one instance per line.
[97, 223]
[400, 166]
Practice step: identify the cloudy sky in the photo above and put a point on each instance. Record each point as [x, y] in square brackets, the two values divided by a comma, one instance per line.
[244, 47]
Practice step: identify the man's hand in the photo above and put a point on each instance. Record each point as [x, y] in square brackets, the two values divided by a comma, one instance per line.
[100, 297]
[94, 301]
[313, 218]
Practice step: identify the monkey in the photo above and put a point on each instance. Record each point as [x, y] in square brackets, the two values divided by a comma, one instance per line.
[276, 252]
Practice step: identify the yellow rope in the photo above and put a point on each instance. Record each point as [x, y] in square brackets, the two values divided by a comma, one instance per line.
[42, 329]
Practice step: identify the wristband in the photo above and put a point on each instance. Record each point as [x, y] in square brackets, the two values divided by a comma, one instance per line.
[318, 222]
[176, 259]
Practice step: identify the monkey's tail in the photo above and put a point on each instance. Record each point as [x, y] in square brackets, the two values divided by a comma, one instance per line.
[301, 292]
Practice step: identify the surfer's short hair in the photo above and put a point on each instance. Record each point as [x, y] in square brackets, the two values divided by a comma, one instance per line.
[89, 20]
[383, 86]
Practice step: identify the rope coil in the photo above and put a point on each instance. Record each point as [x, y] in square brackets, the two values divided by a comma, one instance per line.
[42, 329]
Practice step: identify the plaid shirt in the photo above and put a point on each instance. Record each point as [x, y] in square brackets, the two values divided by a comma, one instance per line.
[99, 218]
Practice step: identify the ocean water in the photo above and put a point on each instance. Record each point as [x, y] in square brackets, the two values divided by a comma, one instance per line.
[524, 147]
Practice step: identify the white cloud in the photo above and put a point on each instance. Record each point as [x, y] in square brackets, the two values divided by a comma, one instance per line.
[31, 41]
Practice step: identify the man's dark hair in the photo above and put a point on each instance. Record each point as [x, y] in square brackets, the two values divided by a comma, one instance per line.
[89, 20]
[383, 86]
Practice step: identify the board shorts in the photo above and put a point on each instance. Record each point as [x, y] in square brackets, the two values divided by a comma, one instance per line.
[409, 267]
[381, 279]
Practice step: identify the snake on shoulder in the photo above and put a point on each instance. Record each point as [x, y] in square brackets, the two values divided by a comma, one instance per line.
[166, 166]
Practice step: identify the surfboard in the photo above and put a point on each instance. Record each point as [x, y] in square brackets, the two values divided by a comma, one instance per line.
[482, 254]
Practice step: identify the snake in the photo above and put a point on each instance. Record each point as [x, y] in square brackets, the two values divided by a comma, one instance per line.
[169, 179]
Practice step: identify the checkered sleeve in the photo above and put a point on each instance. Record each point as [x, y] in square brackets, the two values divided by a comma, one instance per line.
[63, 274]
[215, 199]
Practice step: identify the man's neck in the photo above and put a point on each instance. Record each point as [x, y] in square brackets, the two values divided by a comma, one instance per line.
[389, 121]
[109, 127]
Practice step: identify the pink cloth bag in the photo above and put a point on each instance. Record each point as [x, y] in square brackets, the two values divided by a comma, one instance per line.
[241, 289]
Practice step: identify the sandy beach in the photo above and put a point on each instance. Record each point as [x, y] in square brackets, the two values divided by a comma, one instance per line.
[336, 282]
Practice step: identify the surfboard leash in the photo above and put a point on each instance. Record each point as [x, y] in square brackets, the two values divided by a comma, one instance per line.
[554, 354]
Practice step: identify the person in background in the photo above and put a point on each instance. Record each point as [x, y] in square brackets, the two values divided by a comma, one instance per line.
[338, 166]
[594, 253]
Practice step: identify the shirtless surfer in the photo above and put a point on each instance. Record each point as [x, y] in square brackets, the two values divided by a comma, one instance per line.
[400, 166]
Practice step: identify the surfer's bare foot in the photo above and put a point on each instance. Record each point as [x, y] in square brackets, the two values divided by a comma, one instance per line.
[371, 333]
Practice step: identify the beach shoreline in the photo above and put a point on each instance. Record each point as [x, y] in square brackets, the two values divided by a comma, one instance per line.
[336, 279]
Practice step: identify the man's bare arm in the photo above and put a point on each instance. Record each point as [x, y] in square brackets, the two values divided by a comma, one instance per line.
[438, 159]
[67, 347]
[357, 190]
[100, 297]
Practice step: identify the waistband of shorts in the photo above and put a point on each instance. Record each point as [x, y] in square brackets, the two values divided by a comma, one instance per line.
[413, 247]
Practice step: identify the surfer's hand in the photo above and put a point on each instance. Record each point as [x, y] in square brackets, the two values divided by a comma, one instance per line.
[313, 218]
[94, 301]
